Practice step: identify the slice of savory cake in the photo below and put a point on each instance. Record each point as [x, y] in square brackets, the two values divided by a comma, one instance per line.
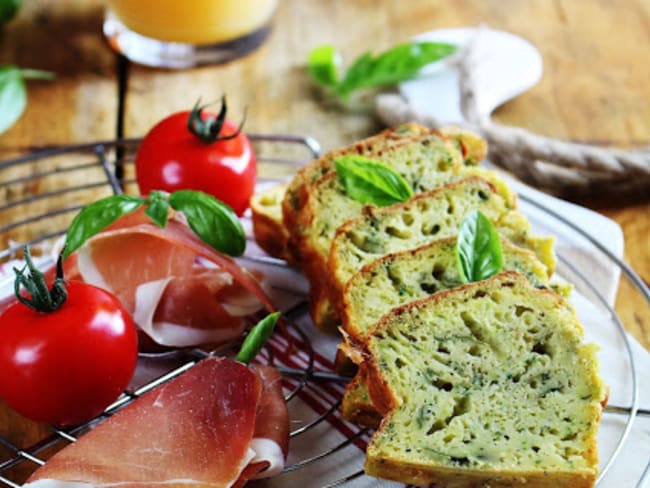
[402, 277]
[410, 274]
[424, 218]
[489, 384]
[472, 148]
[308, 174]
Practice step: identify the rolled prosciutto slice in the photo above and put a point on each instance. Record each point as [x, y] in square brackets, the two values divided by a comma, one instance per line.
[180, 291]
[198, 430]
[271, 425]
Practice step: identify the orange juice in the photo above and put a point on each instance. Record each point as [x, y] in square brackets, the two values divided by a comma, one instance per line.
[193, 21]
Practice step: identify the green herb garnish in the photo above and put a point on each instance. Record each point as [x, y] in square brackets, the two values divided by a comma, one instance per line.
[257, 337]
[400, 63]
[13, 94]
[212, 220]
[478, 248]
[369, 181]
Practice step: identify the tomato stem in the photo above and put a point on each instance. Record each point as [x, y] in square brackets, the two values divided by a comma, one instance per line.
[41, 298]
[208, 129]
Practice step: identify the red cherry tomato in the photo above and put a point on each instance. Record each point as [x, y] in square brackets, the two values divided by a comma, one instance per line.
[65, 367]
[172, 157]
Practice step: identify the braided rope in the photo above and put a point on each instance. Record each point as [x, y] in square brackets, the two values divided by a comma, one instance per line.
[565, 167]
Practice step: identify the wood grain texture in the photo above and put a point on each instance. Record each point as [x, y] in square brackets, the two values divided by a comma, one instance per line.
[80, 104]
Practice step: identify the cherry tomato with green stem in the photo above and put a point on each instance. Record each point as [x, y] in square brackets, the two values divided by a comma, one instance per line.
[197, 150]
[66, 353]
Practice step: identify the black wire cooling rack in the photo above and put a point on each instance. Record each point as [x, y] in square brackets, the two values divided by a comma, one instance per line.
[41, 192]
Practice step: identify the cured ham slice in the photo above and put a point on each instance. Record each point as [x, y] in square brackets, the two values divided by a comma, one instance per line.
[271, 425]
[161, 277]
[197, 431]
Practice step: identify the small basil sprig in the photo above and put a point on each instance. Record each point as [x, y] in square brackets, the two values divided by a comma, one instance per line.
[368, 181]
[13, 94]
[478, 248]
[257, 337]
[400, 63]
[213, 221]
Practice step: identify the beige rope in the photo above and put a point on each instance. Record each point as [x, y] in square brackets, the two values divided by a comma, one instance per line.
[562, 166]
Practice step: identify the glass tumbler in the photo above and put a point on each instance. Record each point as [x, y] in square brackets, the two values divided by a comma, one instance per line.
[183, 34]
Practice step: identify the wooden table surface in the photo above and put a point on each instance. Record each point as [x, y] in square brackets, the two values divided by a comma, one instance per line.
[595, 87]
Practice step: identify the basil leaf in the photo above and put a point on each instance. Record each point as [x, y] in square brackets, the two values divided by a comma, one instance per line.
[157, 208]
[9, 9]
[97, 216]
[13, 96]
[358, 75]
[323, 65]
[368, 181]
[478, 248]
[400, 63]
[213, 221]
[257, 337]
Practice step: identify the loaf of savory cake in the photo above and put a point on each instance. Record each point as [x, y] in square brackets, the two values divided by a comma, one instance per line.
[314, 204]
[489, 384]
[425, 162]
[424, 218]
[401, 277]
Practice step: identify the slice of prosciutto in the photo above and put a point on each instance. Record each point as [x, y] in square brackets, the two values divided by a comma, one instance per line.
[200, 430]
[180, 291]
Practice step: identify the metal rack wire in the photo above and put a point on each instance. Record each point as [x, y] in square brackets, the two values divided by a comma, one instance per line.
[67, 178]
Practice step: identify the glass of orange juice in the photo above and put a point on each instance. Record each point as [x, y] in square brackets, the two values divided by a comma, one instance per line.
[186, 33]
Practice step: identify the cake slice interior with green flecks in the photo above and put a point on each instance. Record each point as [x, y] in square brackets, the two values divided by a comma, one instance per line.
[489, 384]
[401, 277]
[424, 218]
